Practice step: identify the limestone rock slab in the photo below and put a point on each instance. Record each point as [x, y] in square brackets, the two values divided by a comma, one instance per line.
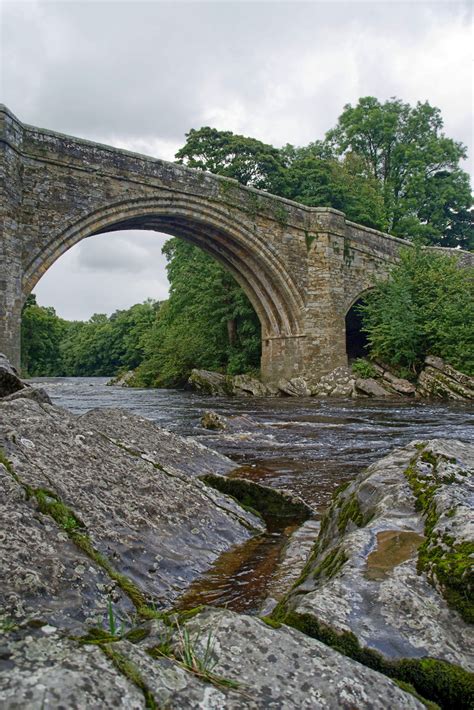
[159, 529]
[364, 577]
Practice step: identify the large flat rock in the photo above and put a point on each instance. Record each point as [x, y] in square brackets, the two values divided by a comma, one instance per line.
[178, 454]
[393, 562]
[278, 669]
[159, 530]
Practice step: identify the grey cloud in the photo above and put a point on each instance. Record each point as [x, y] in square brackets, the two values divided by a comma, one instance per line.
[131, 252]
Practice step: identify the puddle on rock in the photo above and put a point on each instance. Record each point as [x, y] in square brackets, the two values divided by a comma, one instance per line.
[239, 579]
[393, 548]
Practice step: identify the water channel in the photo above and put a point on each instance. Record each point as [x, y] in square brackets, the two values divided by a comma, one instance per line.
[306, 446]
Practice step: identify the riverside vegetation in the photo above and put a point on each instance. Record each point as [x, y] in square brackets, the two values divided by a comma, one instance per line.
[386, 165]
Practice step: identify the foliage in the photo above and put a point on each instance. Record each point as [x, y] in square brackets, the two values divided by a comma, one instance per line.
[363, 368]
[425, 307]
[425, 192]
[207, 322]
[52, 346]
[41, 334]
[247, 160]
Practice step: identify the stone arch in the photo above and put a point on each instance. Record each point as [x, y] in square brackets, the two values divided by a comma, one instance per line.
[356, 339]
[255, 266]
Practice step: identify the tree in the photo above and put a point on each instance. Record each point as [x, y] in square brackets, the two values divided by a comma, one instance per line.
[425, 192]
[207, 322]
[247, 160]
[425, 307]
[317, 179]
[41, 334]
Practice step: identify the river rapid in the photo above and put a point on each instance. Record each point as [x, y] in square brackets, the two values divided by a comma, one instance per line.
[307, 446]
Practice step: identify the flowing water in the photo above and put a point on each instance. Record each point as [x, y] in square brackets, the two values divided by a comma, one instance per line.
[307, 446]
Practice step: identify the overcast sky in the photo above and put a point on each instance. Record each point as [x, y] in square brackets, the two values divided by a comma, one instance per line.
[139, 75]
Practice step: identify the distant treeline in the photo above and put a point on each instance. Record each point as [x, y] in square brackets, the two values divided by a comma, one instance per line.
[386, 165]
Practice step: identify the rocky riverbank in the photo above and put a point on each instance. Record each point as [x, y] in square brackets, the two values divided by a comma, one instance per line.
[437, 380]
[107, 519]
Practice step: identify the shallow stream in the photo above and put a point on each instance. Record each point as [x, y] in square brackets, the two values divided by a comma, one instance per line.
[307, 446]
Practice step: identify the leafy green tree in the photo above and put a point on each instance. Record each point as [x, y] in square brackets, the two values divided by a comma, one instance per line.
[103, 346]
[41, 334]
[426, 194]
[247, 160]
[425, 307]
[207, 322]
[315, 178]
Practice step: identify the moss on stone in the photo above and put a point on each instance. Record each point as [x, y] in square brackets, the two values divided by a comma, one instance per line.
[267, 502]
[7, 463]
[351, 512]
[130, 671]
[436, 681]
[331, 564]
[447, 564]
[270, 622]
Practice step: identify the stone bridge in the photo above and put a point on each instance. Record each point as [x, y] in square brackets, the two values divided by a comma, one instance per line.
[302, 268]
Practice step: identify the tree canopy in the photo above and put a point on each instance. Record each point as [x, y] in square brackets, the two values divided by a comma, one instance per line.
[426, 194]
[425, 307]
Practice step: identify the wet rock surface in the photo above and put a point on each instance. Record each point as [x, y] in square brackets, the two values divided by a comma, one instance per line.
[250, 386]
[157, 529]
[393, 562]
[46, 670]
[124, 379]
[338, 383]
[9, 379]
[208, 382]
[370, 387]
[37, 394]
[296, 387]
[178, 454]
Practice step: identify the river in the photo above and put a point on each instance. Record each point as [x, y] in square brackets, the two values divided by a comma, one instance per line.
[307, 446]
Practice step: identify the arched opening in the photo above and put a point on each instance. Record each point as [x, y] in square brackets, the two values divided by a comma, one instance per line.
[207, 316]
[356, 339]
[231, 239]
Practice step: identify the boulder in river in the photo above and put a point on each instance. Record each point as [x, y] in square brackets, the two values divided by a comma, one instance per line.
[213, 421]
[10, 382]
[124, 379]
[247, 385]
[296, 387]
[370, 387]
[213, 383]
[338, 383]
[391, 577]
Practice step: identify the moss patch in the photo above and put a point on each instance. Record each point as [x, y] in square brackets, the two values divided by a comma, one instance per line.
[268, 502]
[447, 564]
[443, 683]
[130, 671]
[351, 512]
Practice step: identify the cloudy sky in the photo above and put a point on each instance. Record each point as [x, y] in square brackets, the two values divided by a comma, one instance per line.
[139, 75]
